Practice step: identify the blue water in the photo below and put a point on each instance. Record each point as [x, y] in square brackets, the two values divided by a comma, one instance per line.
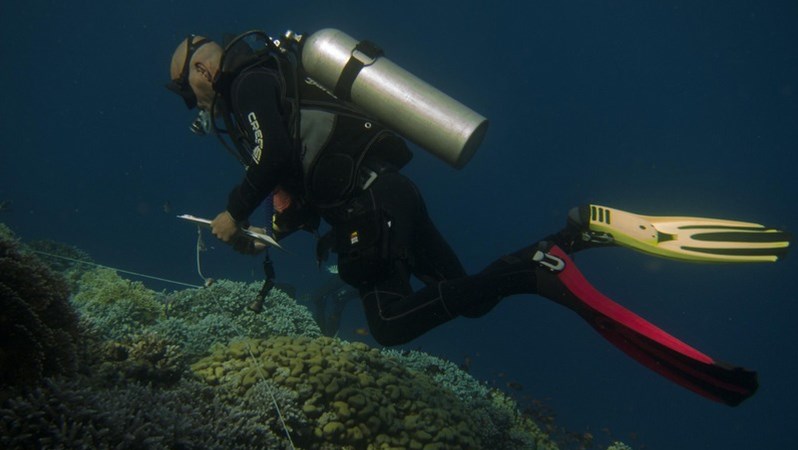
[677, 107]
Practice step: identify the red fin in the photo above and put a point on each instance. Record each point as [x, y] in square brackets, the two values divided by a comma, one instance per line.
[644, 341]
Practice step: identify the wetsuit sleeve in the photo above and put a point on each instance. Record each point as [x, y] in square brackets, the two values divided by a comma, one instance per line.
[256, 105]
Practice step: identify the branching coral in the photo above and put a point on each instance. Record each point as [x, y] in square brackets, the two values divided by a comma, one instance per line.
[78, 414]
[67, 260]
[38, 328]
[499, 421]
[199, 318]
[149, 358]
[6, 234]
[445, 373]
[115, 307]
[197, 336]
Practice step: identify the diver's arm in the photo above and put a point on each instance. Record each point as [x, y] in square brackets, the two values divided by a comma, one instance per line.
[294, 218]
[256, 101]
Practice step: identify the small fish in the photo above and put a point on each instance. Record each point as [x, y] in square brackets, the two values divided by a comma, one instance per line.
[514, 385]
[466, 364]
[167, 207]
[362, 331]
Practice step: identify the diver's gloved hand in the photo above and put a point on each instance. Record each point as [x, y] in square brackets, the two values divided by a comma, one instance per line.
[224, 227]
[248, 246]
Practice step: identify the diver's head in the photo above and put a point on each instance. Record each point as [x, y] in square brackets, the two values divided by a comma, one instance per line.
[194, 67]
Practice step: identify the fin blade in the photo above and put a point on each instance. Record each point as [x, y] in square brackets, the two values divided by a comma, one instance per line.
[645, 342]
[695, 239]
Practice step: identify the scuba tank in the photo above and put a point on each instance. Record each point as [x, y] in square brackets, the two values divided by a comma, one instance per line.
[357, 72]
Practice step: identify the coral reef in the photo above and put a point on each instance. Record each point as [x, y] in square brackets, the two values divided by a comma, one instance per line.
[197, 319]
[38, 328]
[149, 358]
[6, 234]
[116, 308]
[196, 369]
[444, 373]
[352, 395]
[499, 421]
[67, 260]
[79, 413]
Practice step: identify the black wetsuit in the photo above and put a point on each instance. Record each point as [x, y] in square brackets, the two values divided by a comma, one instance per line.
[411, 244]
[254, 100]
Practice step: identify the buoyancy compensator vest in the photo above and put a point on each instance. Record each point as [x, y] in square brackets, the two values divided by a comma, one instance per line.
[333, 139]
[246, 51]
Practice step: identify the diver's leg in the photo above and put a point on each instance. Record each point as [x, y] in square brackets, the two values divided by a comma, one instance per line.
[413, 236]
[432, 258]
[397, 315]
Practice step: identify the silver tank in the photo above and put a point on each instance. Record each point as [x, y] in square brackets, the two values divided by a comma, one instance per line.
[419, 112]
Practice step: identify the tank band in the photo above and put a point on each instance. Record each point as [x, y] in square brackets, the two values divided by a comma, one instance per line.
[364, 54]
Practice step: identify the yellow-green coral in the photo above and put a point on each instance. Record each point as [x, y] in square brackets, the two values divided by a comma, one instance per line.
[105, 286]
[6, 233]
[149, 358]
[500, 421]
[116, 307]
[349, 393]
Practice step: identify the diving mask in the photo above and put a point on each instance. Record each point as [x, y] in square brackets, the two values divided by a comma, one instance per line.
[203, 124]
[181, 86]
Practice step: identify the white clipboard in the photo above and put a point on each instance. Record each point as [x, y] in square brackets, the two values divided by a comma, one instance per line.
[251, 234]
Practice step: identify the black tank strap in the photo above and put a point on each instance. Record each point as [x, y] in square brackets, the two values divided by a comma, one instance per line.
[343, 88]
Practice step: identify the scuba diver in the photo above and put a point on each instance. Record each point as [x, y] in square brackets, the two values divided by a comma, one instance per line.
[307, 116]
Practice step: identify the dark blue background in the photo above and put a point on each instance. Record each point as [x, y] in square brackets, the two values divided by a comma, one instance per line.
[665, 108]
